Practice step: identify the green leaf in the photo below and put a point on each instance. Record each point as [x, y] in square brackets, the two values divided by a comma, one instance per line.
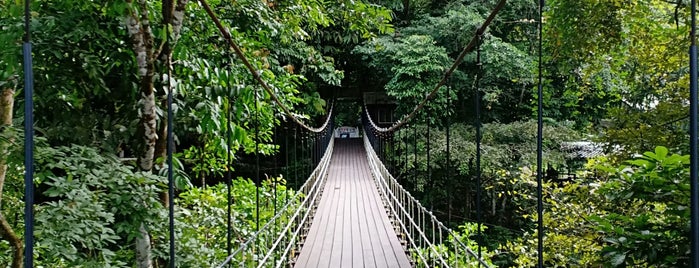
[618, 259]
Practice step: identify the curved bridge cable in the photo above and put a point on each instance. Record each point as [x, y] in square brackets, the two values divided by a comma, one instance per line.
[468, 48]
[256, 73]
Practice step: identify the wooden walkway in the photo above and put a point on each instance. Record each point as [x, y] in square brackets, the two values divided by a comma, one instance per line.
[351, 227]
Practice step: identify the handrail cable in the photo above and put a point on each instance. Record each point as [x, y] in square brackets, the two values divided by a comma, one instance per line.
[396, 196]
[468, 48]
[309, 192]
[256, 73]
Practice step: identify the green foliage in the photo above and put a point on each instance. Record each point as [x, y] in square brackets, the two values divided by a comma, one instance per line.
[586, 226]
[508, 158]
[619, 67]
[650, 229]
[414, 64]
[570, 237]
[452, 30]
[201, 219]
[94, 206]
[347, 114]
[453, 253]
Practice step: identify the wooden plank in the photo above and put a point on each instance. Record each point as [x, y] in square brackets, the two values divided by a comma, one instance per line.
[380, 219]
[322, 223]
[372, 214]
[335, 255]
[369, 253]
[327, 245]
[351, 227]
[348, 179]
[358, 255]
[393, 250]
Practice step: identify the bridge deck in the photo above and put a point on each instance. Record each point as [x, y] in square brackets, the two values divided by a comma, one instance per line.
[351, 227]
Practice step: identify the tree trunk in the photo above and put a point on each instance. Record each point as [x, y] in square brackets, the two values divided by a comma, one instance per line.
[6, 109]
[154, 139]
[161, 151]
[16, 243]
[138, 26]
[406, 10]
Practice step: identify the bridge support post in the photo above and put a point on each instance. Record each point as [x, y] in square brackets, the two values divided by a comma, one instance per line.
[693, 134]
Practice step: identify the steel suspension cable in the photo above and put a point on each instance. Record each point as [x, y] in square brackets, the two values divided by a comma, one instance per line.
[468, 48]
[28, 140]
[539, 148]
[694, 135]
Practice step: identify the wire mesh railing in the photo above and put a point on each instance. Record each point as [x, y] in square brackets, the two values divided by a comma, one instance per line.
[278, 242]
[428, 241]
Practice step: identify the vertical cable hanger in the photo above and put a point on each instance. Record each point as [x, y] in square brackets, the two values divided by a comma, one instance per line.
[427, 148]
[406, 145]
[479, 73]
[693, 135]
[258, 180]
[448, 155]
[539, 149]
[394, 154]
[229, 171]
[296, 161]
[28, 140]
[257, 162]
[167, 20]
[415, 154]
[286, 161]
[275, 175]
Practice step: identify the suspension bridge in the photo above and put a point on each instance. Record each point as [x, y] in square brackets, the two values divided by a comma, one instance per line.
[350, 211]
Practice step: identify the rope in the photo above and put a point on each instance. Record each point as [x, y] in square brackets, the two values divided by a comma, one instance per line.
[255, 73]
[448, 74]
